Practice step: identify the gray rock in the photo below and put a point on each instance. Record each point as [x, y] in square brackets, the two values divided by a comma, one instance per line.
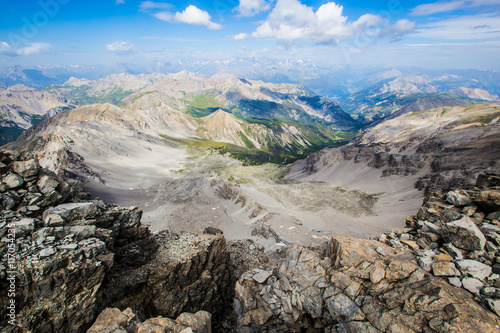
[474, 268]
[458, 198]
[445, 269]
[464, 234]
[26, 168]
[262, 276]
[13, 181]
[312, 302]
[47, 252]
[74, 211]
[488, 227]
[455, 281]
[24, 227]
[47, 184]
[425, 263]
[454, 252]
[381, 251]
[494, 305]
[342, 308]
[472, 285]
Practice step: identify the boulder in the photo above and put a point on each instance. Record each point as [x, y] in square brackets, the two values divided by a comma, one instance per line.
[13, 181]
[458, 198]
[26, 168]
[474, 268]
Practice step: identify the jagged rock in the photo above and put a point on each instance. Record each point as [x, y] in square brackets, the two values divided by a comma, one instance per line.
[453, 251]
[24, 227]
[26, 168]
[342, 309]
[464, 234]
[455, 281]
[494, 305]
[458, 198]
[473, 285]
[13, 181]
[47, 184]
[114, 320]
[261, 276]
[445, 269]
[73, 211]
[474, 268]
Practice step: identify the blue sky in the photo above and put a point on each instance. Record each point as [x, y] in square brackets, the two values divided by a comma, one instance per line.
[444, 34]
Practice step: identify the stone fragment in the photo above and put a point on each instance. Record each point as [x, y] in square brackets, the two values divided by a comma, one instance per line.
[454, 252]
[343, 282]
[312, 301]
[13, 181]
[26, 168]
[24, 227]
[381, 251]
[488, 227]
[398, 270]
[472, 285]
[443, 257]
[455, 281]
[474, 268]
[464, 234]
[47, 184]
[494, 305]
[262, 276]
[377, 272]
[458, 198]
[200, 321]
[342, 309]
[74, 211]
[445, 269]
[47, 252]
[425, 263]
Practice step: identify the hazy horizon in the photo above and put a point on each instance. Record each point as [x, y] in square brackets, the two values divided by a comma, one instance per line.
[453, 34]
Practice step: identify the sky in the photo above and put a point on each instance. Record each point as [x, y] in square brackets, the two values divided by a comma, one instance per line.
[442, 35]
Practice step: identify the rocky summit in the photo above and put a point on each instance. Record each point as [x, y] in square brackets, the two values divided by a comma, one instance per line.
[72, 264]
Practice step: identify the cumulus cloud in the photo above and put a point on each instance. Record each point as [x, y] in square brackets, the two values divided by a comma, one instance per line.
[249, 8]
[29, 49]
[149, 5]
[290, 21]
[191, 15]
[121, 48]
[448, 6]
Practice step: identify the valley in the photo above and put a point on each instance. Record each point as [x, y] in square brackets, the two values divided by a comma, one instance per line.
[194, 151]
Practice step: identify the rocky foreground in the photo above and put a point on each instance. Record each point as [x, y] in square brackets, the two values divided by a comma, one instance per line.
[71, 264]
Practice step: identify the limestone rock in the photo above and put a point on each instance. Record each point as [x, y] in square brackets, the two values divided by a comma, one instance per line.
[472, 285]
[13, 180]
[464, 234]
[474, 268]
[458, 198]
[26, 168]
[445, 269]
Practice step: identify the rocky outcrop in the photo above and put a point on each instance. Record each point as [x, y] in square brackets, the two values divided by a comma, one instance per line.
[114, 320]
[438, 274]
[65, 258]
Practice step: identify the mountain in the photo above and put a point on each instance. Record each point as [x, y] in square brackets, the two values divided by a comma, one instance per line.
[244, 98]
[440, 148]
[22, 107]
[110, 89]
[390, 91]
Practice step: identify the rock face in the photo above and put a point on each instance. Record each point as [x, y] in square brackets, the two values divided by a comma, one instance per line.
[70, 258]
[354, 288]
[114, 320]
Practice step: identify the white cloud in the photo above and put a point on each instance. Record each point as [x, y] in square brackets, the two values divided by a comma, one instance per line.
[121, 48]
[191, 15]
[473, 27]
[120, 2]
[249, 8]
[30, 49]
[398, 30]
[291, 21]
[241, 36]
[448, 6]
[148, 5]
